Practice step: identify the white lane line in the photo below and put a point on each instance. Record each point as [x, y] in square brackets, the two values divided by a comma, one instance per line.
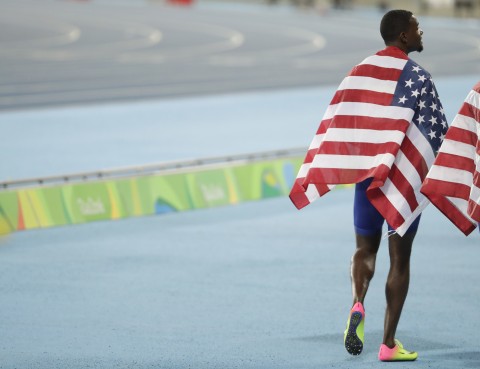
[230, 39]
[67, 34]
[312, 42]
[131, 36]
[135, 36]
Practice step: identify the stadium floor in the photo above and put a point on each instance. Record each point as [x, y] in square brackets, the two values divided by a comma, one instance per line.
[256, 285]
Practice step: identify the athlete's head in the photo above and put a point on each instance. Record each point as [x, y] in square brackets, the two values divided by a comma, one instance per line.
[400, 28]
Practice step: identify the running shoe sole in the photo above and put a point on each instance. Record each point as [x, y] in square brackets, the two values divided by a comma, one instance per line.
[353, 344]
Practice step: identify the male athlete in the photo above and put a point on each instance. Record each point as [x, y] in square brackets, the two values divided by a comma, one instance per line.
[381, 132]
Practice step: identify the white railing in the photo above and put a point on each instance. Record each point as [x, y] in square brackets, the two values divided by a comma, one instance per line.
[170, 167]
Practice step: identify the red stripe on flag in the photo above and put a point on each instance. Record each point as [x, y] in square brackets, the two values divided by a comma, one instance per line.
[415, 157]
[429, 189]
[454, 161]
[364, 96]
[476, 111]
[403, 186]
[461, 135]
[346, 176]
[310, 156]
[470, 111]
[324, 124]
[357, 148]
[448, 189]
[476, 174]
[298, 196]
[374, 71]
[377, 124]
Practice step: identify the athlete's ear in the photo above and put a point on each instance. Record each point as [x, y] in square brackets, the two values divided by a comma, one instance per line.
[403, 37]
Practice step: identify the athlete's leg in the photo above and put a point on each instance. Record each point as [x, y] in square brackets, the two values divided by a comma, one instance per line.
[368, 233]
[398, 280]
[363, 265]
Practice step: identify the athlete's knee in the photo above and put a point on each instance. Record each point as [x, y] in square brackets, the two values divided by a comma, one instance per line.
[368, 244]
[400, 250]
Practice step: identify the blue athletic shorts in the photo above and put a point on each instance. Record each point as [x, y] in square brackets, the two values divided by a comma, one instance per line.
[366, 219]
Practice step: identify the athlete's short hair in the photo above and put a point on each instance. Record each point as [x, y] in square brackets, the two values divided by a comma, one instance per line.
[393, 23]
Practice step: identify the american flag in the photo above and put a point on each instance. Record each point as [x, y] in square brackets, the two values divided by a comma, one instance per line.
[453, 182]
[385, 121]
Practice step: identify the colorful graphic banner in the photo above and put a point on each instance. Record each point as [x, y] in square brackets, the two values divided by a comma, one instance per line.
[42, 207]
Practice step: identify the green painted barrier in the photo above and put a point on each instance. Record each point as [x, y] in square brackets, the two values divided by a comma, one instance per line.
[42, 207]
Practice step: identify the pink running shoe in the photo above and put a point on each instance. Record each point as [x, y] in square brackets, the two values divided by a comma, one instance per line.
[397, 353]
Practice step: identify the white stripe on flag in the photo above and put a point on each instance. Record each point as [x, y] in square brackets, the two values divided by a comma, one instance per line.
[312, 193]
[452, 175]
[421, 143]
[475, 194]
[409, 171]
[369, 110]
[385, 62]
[317, 140]
[352, 161]
[401, 205]
[458, 148]
[363, 135]
[408, 222]
[473, 98]
[302, 173]
[368, 83]
[397, 199]
[464, 122]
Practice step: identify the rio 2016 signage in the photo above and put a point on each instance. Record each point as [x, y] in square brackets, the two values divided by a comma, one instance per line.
[75, 203]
